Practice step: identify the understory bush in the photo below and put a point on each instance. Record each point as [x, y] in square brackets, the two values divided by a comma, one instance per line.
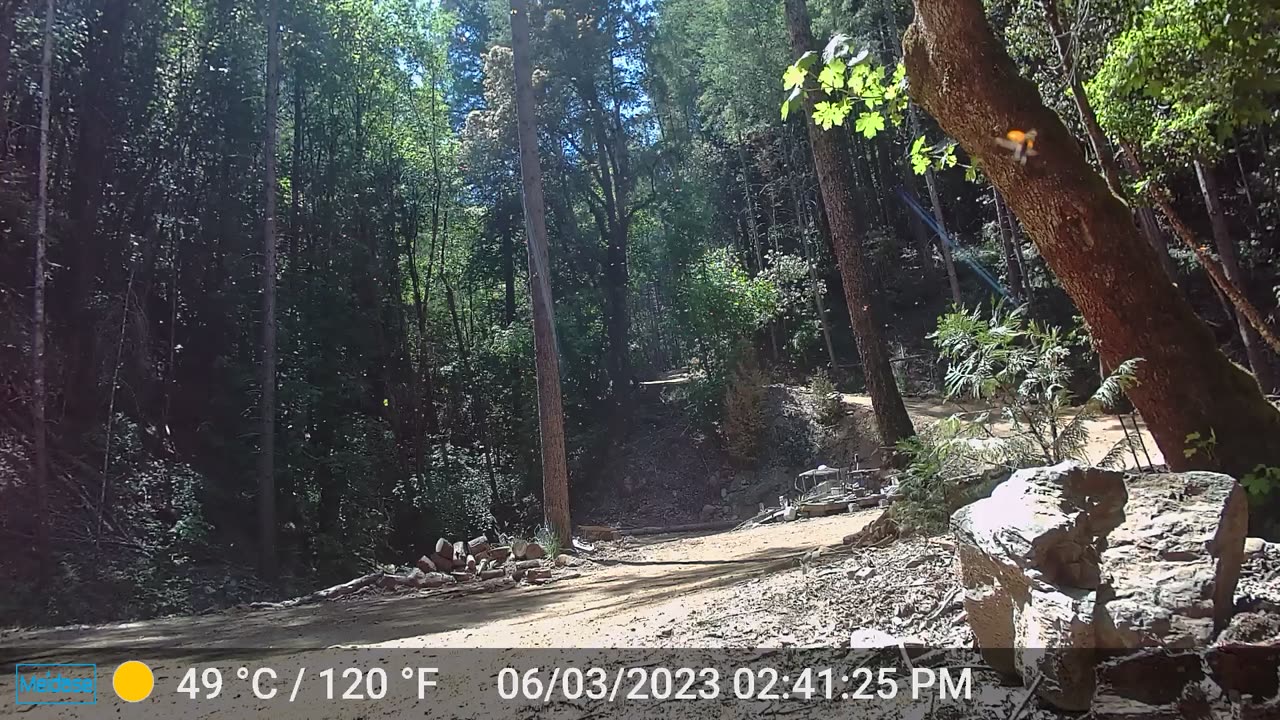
[1017, 371]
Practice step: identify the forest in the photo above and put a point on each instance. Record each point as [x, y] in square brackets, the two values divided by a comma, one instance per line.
[267, 314]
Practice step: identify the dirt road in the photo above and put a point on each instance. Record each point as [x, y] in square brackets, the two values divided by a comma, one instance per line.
[631, 602]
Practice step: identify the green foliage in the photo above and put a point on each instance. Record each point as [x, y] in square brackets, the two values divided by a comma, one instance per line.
[826, 400]
[844, 80]
[1199, 445]
[718, 305]
[1019, 368]
[1262, 481]
[1186, 76]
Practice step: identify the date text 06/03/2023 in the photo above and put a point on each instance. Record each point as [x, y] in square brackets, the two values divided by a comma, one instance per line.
[686, 683]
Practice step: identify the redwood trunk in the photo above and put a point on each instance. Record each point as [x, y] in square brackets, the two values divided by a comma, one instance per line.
[962, 75]
[831, 158]
[555, 471]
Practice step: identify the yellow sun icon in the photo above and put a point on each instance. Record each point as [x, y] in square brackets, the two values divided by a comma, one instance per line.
[133, 681]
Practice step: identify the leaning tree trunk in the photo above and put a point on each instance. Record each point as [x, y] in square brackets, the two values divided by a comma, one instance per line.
[555, 470]
[962, 75]
[1254, 350]
[831, 158]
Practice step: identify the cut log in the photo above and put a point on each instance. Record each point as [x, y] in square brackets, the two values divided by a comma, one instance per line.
[482, 540]
[345, 588]
[459, 552]
[442, 563]
[528, 564]
[693, 527]
[598, 532]
[518, 548]
[479, 548]
[462, 576]
[444, 548]
[500, 554]
[425, 564]
[539, 575]
[471, 564]
[534, 551]
[491, 574]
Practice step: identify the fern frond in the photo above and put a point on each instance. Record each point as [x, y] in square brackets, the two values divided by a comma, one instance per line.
[1115, 457]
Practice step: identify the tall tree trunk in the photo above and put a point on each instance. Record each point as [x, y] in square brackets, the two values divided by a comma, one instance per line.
[8, 10]
[803, 224]
[555, 471]
[944, 239]
[1147, 217]
[1098, 139]
[40, 464]
[964, 77]
[1253, 347]
[831, 158]
[1012, 269]
[267, 467]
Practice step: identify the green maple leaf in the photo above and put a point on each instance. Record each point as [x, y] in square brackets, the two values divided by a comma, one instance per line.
[828, 114]
[919, 158]
[832, 76]
[792, 102]
[793, 77]
[869, 123]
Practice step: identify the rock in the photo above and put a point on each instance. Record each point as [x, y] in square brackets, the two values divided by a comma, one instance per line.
[1061, 560]
[1174, 563]
[1254, 628]
[791, 513]
[709, 512]
[534, 551]
[563, 560]
[862, 573]
[872, 639]
[425, 564]
[1254, 546]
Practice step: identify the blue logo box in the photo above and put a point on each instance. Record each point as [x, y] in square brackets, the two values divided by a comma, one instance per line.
[56, 684]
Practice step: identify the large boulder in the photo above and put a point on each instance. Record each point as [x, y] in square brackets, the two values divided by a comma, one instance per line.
[1063, 561]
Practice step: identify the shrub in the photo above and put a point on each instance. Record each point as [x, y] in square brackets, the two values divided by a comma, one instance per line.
[826, 400]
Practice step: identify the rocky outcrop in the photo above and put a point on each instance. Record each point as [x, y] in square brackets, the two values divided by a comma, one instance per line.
[1062, 563]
